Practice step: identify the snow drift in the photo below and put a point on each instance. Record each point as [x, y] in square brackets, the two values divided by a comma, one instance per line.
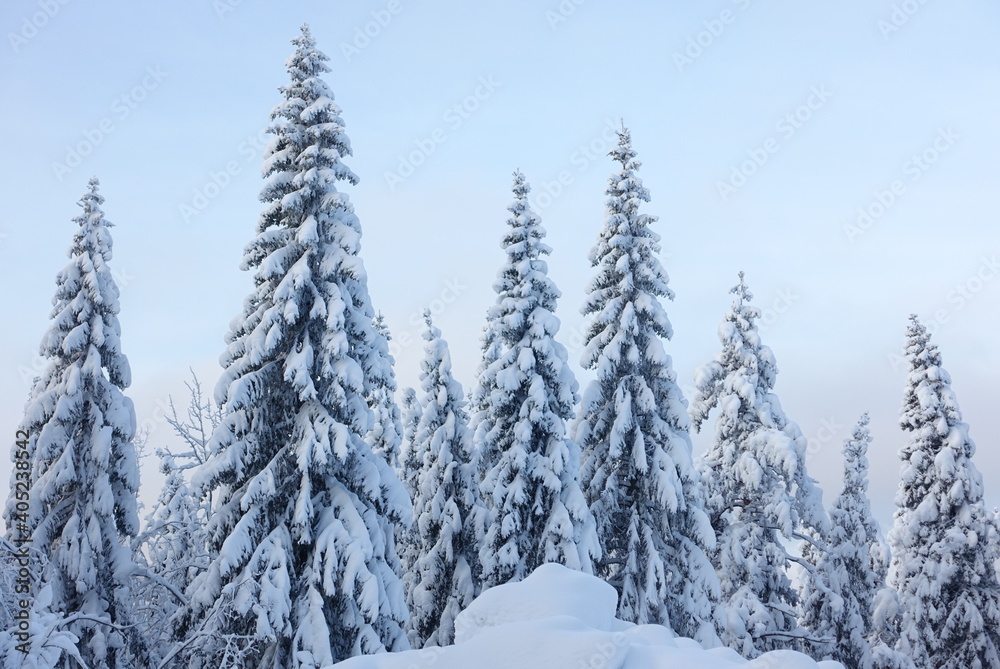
[558, 618]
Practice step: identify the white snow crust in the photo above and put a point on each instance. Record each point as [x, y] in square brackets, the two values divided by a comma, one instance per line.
[558, 618]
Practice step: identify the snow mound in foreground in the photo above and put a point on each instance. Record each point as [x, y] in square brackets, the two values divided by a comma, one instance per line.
[558, 618]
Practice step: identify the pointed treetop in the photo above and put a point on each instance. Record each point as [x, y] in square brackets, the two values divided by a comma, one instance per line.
[855, 451]
[521, 187]
[929, 384]
[304, 160]
[429, 322]
[627, 232]
[381, 326]
[742, 292]
[524, 239]
[305, 41]
[624, 144]
[920, 350]
[91, 202]
[305, 66]
[855, 485]
[524, 246]
[625, 155]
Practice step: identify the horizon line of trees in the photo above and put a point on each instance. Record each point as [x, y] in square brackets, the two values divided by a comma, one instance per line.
[310, 517]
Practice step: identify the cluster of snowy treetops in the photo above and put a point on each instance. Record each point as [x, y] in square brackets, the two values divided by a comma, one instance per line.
[311, 518]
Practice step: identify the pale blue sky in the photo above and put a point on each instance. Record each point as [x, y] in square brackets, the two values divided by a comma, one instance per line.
[168, 94]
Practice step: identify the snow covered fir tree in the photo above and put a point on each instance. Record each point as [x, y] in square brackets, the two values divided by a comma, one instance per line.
[410, 463]
[944, 560]
[386, 434]
[536, 512]
[759, 494]
[633, 427]
[305, 571]
[447, 512]
[82, 467]
[409, 456]
[315, 515]
[840, 596]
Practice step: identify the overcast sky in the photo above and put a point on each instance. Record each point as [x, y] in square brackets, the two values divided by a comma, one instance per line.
[842, 152]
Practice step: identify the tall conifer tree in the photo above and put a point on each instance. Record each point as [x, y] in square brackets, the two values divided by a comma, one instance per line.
[638, 473]
[83, 472]
[306, 572]
[759, 493]
[943, 560]
[448, 514]
[537, 512]
[839, 597]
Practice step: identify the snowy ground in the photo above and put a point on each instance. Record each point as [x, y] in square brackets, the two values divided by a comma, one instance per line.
[558, 618]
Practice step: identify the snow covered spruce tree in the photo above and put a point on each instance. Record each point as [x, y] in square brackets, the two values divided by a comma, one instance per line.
[410, 459]
[758, 492]
[537, 512]
[409, 455]
[638, 473]
[306, 572]
[838, 597]
[942, 563]
[387, 430]
[83, 471]
[448, 516]
[481, 395]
